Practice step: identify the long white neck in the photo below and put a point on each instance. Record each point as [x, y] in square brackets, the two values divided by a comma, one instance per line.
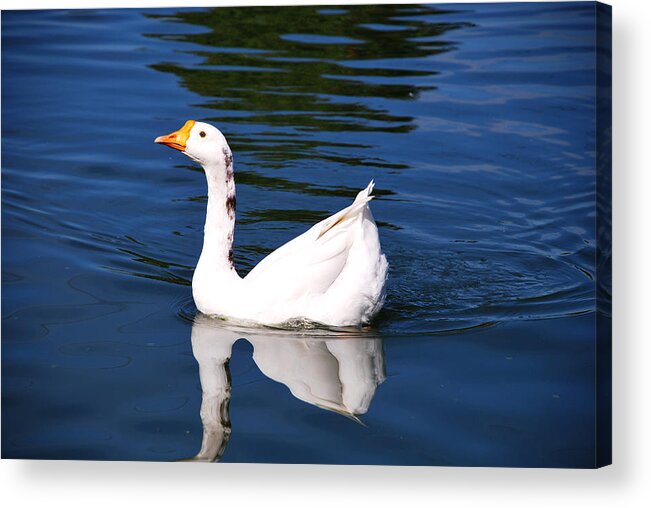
[217, 253]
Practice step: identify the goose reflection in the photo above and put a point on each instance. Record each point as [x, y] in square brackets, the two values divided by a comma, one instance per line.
[334, 370]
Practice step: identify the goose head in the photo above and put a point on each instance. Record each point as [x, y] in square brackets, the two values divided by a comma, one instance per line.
[201, 142]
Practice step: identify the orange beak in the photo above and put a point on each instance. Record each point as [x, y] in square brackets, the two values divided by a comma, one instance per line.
[178, 139]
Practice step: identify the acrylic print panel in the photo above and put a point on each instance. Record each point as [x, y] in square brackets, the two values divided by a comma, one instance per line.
[486, 128]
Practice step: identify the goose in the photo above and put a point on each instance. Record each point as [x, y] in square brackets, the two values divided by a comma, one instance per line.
[333, 274]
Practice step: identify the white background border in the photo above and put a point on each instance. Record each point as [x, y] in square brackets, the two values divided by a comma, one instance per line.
[626, 483]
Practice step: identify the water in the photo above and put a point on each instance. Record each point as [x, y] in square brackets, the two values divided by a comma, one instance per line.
[477, 123]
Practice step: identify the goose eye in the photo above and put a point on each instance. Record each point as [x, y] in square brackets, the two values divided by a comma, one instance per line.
[202, 134]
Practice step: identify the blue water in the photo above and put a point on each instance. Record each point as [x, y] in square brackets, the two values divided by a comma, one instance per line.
[477, 123]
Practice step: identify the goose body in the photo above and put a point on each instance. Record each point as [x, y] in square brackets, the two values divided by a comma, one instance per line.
[333, 274]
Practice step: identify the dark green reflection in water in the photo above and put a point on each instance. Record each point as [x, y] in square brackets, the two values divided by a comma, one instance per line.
[301, 69]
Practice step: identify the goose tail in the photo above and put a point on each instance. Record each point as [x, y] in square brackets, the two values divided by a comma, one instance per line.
[363, 197]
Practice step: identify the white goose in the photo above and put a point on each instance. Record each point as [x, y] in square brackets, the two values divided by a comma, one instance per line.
[333, 274]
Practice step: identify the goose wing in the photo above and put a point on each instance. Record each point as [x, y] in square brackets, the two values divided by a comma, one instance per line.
[311, 262]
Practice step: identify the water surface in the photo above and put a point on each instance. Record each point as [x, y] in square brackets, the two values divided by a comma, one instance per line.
[477, 123]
